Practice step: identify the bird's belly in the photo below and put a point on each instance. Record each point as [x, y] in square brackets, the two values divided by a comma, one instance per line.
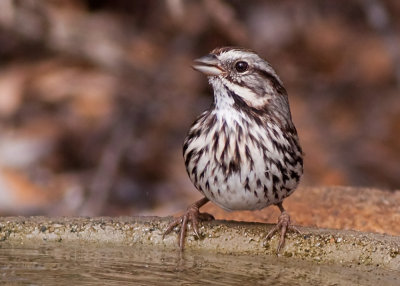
[245, 177]
[238, 194]
[245, 189]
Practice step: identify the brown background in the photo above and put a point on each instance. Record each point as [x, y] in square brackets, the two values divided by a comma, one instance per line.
[96, 96]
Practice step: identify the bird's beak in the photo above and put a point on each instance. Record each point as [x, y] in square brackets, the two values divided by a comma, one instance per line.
[209, 65]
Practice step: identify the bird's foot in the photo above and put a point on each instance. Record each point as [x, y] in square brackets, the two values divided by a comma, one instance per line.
[191, 215]
[283, 225]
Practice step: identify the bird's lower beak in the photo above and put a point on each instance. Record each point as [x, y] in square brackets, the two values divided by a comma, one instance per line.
[208, 65]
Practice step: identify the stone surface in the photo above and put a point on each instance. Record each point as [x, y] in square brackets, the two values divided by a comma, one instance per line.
[322, 246]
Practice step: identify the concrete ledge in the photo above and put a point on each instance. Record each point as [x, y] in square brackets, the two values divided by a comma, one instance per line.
[322, 246]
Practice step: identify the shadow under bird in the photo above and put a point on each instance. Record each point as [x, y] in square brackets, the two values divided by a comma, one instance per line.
[243, 153]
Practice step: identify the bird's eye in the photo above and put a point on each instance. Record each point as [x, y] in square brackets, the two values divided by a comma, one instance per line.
[241, 66]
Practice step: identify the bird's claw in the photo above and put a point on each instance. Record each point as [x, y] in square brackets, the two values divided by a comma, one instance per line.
[283, 225]
[192, 215]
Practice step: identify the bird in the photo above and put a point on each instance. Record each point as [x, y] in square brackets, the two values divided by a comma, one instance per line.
[243, 153]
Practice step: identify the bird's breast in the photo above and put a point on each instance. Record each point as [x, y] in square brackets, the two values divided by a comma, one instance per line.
[241, 164]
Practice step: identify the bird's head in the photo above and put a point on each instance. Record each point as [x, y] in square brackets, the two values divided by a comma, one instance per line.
[243, 73]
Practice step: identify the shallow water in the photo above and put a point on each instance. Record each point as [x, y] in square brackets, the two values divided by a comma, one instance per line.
[59, 264]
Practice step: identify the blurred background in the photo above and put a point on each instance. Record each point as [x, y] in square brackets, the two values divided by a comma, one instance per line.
[96, 96]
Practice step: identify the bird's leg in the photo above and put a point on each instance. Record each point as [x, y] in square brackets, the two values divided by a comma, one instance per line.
[283, 225]
[192, 215]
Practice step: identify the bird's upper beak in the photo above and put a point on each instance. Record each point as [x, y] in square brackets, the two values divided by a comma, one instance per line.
[209, 65]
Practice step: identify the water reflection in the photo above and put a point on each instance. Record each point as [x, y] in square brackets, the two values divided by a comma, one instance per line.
[56, 264]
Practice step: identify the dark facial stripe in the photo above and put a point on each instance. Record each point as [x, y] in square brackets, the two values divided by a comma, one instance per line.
[241, 105]
[273, 80]
[243, 84]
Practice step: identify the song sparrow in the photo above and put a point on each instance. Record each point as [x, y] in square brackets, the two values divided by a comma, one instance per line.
[243, 153]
